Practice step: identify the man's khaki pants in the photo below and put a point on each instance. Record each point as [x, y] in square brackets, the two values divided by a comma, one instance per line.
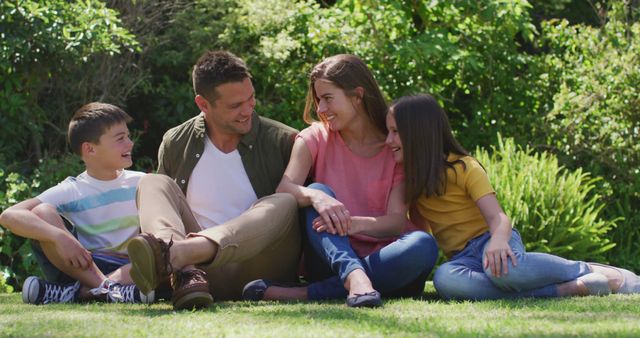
[262, 242]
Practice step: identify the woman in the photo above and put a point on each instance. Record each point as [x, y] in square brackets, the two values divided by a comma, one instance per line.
[450, 191]
[355, 209]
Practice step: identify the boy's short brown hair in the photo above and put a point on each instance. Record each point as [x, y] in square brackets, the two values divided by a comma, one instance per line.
[91, 121]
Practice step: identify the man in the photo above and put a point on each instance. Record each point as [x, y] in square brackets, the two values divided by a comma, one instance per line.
[216, 209]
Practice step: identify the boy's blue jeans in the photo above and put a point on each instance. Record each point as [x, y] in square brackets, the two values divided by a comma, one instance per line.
[390, 269]
[536, 274]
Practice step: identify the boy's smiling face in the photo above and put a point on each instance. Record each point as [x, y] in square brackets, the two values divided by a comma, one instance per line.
[113, 151]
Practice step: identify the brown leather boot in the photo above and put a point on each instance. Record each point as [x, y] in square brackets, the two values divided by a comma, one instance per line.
[190, 290]
[150, 265]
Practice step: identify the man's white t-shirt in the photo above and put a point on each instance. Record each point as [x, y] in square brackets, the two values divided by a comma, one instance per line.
[219, 188]
[103, 212]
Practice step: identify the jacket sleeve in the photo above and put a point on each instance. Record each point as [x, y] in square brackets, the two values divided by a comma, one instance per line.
[164, 157]
[287, 145]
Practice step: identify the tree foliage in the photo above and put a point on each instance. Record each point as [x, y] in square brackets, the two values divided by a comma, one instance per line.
[594, 122]
[43, 44]
[554, 76]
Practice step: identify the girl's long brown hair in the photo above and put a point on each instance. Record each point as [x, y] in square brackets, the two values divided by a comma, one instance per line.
[348, 72]
[427, 141]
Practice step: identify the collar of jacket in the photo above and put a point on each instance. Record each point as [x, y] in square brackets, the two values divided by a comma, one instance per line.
[246, 141]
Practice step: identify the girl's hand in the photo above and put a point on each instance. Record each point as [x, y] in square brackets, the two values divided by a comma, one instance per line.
[334, 214]
[496, 256]
[498, 251]
[319, 225]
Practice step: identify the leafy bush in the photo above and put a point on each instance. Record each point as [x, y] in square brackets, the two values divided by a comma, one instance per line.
[47, 50]
[556, 210]
[16, 259]
[4, 286]
[594, 122]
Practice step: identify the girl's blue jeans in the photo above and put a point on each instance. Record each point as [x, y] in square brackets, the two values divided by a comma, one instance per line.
[536, 274]
[391, 268]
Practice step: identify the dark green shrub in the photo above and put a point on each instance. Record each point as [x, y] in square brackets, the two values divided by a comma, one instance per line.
[16, 259]
[556, 210]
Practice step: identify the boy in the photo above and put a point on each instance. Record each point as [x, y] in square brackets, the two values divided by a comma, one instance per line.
[80, 227]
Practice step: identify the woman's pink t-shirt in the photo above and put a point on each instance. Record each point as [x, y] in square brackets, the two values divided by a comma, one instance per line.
[362, 184]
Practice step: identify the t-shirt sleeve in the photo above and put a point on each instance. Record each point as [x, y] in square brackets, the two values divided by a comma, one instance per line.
[398, 174]
[312, 136]
[477, 182]
[59, 194]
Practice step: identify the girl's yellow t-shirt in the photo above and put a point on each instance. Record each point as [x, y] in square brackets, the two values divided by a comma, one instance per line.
[454, 217]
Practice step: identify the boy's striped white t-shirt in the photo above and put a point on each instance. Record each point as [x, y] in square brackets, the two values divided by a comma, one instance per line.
[103, 212]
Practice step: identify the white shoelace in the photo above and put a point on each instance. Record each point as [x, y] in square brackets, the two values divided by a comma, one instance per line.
[128, 292]
[54, 293]
[109, 288]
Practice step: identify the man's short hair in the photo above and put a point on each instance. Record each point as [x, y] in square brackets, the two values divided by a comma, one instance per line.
[215, 68]
[91, 121]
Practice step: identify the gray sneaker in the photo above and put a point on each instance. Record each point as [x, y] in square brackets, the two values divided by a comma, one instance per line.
[38, 291]
[117, 293]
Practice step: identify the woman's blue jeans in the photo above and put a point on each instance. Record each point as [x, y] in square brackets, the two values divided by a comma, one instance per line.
[391, 268]
[536, 274]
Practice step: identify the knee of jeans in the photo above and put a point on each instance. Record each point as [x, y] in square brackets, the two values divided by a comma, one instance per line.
[423, 247]
[449, 285]
[322, 187]
[510, 281]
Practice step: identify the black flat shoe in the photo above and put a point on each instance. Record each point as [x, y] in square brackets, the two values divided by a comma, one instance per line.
[369, 299]
[255, 290]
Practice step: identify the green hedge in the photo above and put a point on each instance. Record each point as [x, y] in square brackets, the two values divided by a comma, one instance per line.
[556, 210]
[16, 260]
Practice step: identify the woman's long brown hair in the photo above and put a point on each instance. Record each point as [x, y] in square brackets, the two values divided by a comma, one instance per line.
[427, 141]
[348, 72]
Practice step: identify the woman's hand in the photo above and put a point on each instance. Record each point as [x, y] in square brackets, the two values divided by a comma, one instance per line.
[496, 256]
[335, 217]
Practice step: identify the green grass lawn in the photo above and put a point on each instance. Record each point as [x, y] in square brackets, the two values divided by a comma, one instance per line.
[614, 315]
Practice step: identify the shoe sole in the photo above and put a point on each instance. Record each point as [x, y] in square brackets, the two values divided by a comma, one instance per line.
[366, 304]
[143, 265]
[148, 298]
[30, 290]
[193, 300]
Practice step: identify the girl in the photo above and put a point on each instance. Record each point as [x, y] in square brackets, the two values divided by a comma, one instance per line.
[450, 190]
[355, 209]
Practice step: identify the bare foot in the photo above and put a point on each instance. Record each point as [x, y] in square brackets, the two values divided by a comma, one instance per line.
[358, 283]
[614, 275]
[591, 284]
[572, 288]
